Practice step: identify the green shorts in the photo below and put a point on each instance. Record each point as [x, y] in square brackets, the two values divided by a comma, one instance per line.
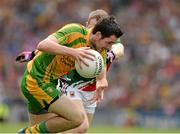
[39, 95]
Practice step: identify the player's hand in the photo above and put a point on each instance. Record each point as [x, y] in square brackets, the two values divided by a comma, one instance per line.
[101, 85]
[25, 56]
[81, 53]
[99, 95]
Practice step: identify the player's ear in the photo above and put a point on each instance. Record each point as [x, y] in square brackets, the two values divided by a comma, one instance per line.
[98, 35]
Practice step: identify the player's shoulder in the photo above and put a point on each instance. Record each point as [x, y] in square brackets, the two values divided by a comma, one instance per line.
[75, 27]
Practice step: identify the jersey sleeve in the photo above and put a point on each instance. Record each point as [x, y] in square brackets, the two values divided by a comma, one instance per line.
[64, 34]
[61, 37]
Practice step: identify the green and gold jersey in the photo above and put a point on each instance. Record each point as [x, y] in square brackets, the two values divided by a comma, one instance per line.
[48, 67]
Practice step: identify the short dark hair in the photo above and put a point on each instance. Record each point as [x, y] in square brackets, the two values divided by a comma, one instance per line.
[108, 26]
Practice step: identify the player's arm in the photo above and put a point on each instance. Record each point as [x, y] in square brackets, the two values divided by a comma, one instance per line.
[101, 80]
[101, 85]
[52, 45]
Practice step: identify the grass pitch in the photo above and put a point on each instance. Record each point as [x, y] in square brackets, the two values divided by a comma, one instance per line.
[14, 127]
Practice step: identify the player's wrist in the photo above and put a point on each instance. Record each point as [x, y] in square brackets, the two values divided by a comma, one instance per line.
[32, 55]
[71, 52]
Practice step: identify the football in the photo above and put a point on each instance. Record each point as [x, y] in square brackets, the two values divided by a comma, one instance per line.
[95, 67]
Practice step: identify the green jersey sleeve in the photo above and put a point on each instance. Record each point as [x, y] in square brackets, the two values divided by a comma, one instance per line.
[62, 37]
[69, 32]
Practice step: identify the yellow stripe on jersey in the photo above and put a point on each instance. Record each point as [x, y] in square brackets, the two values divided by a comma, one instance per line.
[27, 131]
[104, 55]
[30, 63]
[69, 38]
[34, 130]
[70, 30]
[58, 67]
[38, 93]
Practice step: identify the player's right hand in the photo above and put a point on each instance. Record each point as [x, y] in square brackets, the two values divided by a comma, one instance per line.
[101, 85]
[81, 53]
[25, 56]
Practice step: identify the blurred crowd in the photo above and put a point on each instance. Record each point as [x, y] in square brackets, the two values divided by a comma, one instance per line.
[147, 77]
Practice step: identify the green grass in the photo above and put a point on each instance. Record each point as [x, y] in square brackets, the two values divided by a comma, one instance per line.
[14, 127]
[11, 127]
[113, 129]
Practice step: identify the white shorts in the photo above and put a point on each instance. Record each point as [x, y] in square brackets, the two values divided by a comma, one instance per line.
[84, 96]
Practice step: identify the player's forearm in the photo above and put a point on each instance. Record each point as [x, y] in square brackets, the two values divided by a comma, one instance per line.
[101, 81]
[102, 75]
[53, 47]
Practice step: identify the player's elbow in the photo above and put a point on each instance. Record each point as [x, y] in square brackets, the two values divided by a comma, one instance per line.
[40, 46]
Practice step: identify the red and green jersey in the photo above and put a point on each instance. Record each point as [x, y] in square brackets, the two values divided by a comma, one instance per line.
[47, 67]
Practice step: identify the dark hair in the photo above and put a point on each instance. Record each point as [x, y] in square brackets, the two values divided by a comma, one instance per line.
[108, 26]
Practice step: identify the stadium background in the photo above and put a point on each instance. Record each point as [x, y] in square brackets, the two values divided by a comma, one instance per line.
[144, 86]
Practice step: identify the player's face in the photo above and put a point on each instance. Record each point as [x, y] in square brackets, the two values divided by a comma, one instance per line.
[104, 43]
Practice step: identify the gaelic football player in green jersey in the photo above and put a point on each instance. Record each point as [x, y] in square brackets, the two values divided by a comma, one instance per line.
[56, 56]
[83, 92]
